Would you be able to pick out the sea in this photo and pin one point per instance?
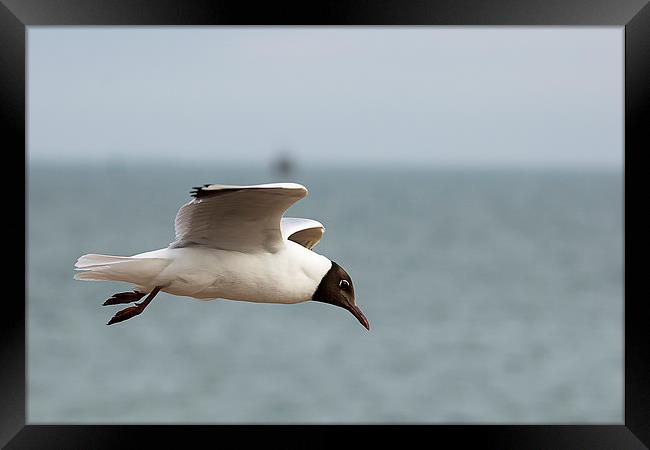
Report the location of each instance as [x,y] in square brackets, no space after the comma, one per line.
[494,296]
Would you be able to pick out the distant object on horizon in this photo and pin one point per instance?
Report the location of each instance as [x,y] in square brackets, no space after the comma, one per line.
[284,165]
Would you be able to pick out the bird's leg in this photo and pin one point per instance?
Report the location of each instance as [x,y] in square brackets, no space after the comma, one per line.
[134,310]
[124,297]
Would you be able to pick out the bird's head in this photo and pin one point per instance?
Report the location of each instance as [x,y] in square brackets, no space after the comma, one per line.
[336,289]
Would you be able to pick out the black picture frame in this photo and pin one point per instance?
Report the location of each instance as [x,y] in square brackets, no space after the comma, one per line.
[17,15]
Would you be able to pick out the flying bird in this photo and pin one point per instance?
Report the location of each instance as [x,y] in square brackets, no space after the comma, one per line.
[232,242]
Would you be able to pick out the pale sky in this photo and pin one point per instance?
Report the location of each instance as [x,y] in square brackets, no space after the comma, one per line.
[425,96]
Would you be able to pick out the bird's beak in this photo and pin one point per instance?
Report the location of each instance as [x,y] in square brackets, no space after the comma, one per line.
[359,315]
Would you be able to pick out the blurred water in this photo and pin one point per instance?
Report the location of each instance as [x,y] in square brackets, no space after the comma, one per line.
[494,297]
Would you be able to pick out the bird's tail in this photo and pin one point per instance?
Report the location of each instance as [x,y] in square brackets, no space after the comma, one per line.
[131,269]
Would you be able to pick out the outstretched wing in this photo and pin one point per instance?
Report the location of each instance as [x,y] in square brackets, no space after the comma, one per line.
[241,218]
[306,232]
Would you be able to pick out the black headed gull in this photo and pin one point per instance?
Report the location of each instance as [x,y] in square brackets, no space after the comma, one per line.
[232,243]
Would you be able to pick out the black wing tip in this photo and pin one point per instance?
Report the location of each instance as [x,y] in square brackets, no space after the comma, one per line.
[199,191]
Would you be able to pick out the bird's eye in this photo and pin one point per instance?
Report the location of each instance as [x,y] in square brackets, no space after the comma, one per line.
[344,284]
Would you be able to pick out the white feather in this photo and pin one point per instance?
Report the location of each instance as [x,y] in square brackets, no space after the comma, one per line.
[240,218]
[306,232]
[139,271]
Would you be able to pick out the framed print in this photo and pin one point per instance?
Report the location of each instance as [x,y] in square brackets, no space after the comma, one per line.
[471,162]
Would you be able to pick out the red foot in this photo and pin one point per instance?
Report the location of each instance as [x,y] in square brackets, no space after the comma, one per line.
[126,314]
[124,297]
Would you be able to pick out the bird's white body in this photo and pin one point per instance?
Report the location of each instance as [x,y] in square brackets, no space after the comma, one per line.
[231,242]
[290,275]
